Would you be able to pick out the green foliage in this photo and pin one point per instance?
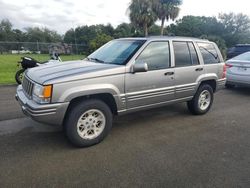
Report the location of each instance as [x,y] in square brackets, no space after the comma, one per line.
[195,26]
[142,14]
[100,40]
[124,30]
[42,35]
[236,28]
[8,64]
[229,28]
[166,10]
[85,35]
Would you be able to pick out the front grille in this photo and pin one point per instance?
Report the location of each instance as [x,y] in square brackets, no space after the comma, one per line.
[27,86]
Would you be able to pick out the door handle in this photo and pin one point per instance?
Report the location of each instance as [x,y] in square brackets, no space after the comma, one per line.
[168,73]
[199,69]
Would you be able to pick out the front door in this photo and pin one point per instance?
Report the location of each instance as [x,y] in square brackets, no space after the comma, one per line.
[155,86]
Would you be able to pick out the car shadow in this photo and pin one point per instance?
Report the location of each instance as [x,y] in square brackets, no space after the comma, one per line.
[240,90]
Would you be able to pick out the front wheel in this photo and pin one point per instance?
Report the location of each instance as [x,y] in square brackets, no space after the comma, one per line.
[202,101]
[19,76]
[88,122]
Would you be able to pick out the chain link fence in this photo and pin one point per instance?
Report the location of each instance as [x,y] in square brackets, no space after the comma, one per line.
[41,48]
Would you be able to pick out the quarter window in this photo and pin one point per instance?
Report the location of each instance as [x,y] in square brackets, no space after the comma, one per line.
[209,53]
[156,55]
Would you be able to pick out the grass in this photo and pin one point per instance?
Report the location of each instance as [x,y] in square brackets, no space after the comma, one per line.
[8,64]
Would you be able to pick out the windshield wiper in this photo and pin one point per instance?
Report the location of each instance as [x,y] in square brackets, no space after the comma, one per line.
[95,59]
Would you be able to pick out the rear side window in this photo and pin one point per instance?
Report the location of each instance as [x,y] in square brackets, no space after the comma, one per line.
[185,54]
[209,53]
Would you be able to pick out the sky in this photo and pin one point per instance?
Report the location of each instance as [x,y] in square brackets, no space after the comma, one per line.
[61,15]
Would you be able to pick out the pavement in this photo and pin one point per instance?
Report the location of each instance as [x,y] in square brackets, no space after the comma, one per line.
[164,147]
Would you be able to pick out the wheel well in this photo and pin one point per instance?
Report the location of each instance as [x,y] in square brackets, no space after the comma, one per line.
[212,83]
[105,97]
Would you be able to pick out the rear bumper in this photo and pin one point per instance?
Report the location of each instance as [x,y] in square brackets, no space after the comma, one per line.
[221,84]
[52,114]
[238,79]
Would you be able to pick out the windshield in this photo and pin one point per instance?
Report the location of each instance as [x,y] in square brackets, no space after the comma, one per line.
[116,52]
[243,57]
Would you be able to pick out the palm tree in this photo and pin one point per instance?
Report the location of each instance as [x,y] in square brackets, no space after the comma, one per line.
[166,10]
[141,14]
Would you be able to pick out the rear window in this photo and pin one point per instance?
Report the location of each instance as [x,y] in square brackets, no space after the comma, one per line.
[209,53]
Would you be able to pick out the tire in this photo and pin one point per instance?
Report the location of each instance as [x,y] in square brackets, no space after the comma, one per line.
[19,76]
[88,123]
[195,106]
[229,86]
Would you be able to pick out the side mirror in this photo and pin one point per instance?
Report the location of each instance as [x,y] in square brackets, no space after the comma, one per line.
[140,67]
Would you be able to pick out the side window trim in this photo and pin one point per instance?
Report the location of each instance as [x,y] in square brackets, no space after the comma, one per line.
[169,50]
[196,53]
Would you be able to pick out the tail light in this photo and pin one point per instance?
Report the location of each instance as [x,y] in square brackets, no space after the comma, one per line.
[229,65]
[224,70]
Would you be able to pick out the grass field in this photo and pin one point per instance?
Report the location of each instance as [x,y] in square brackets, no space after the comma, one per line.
[8,65]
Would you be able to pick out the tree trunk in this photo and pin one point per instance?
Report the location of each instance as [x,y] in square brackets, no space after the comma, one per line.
[146,30]
[162,26]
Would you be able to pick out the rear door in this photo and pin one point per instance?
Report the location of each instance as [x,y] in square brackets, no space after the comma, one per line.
[187,68]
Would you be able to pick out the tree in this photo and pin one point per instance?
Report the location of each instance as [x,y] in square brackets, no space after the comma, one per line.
[141,14]
[195,26]
[100,40]
[6,31]
[124,30]
[236,28]
[167,10]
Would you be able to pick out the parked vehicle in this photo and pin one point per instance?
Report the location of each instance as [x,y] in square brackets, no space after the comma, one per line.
[28,62]
[238,71]
[123,76]
[237,50]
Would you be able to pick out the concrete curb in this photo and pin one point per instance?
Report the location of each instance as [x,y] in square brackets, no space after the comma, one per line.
[8,85]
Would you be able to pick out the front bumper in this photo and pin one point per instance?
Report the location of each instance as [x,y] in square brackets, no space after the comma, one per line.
[52,114]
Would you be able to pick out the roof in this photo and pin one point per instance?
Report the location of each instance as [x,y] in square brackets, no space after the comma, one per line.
[164,37]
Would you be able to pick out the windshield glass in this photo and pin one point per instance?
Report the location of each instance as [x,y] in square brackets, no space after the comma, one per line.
[243,57]
[116,52]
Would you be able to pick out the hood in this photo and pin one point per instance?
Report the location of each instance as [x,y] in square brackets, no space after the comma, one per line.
[72,70]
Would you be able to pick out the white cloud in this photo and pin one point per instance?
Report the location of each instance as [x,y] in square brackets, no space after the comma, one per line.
[61,15]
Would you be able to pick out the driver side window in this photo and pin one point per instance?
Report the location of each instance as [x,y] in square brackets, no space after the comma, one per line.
[156,55]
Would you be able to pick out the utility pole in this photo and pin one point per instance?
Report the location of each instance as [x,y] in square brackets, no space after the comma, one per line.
[75,38]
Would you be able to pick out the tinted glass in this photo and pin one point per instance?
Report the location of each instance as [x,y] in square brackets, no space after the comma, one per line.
[182,55]
[156,55]
[116,52]
[209,53]
[193,53]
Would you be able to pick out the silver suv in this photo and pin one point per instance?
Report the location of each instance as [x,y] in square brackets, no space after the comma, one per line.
[123,76]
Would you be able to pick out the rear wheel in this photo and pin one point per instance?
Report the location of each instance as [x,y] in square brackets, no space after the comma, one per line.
[88,123]
[202,101]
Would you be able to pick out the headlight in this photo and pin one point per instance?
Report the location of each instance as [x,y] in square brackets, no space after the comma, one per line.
[42,94]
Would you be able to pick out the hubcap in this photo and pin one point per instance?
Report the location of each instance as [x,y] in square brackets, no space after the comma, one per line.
[91,124]
[204,100]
